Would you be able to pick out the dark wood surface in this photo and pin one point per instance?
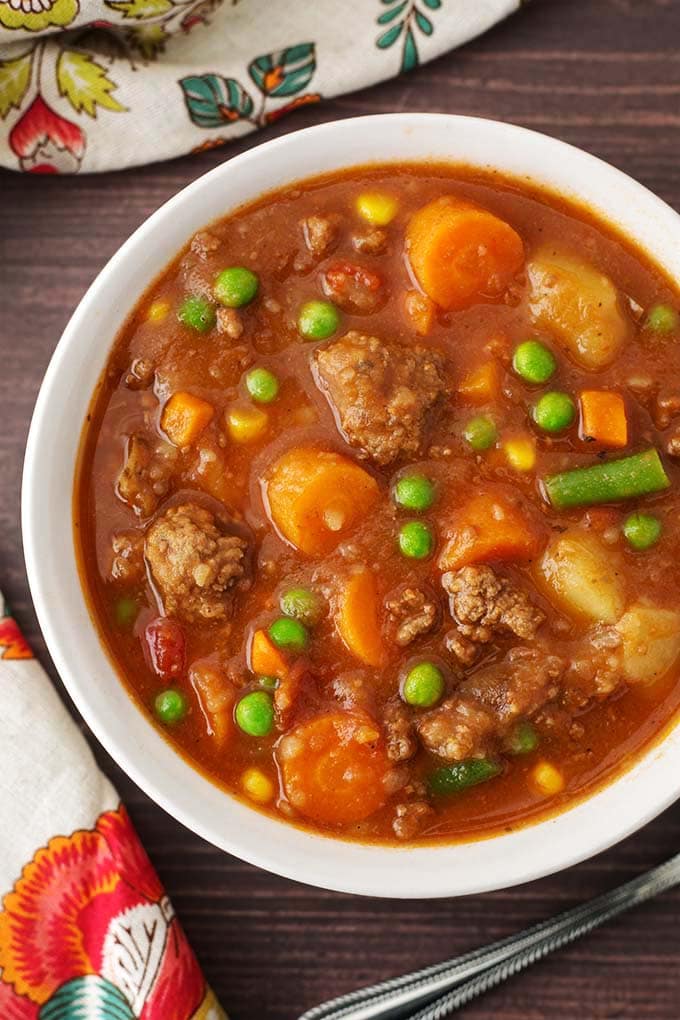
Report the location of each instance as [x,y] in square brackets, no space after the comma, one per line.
[603,74]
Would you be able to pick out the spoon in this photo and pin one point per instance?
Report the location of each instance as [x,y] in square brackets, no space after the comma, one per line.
[437,991]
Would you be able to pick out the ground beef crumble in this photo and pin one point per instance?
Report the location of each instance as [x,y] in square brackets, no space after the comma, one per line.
[194,563]
[413,611]
[382,394]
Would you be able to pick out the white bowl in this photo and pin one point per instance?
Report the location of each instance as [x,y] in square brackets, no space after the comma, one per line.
[504,860]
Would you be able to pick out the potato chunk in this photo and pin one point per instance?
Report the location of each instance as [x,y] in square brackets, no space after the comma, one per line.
[580,576]
[651,642]
[579,306]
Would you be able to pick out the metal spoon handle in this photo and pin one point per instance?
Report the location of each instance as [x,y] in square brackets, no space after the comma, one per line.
[480,969]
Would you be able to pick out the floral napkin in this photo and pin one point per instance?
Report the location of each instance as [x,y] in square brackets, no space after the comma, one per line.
[86,929]
[89,85]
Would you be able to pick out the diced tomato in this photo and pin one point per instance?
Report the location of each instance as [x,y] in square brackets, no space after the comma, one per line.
[165,647]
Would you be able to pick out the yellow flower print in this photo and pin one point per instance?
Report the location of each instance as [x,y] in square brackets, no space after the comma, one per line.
[36,15]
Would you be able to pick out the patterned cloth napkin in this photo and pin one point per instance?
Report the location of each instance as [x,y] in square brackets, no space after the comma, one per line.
[89,85]
[86,929]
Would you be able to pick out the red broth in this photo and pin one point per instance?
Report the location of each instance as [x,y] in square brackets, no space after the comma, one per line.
[444,669]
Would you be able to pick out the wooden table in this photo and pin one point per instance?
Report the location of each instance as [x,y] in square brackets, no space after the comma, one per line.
[603,74]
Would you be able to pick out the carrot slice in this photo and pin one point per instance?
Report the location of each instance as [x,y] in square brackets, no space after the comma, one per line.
[461,253]
[314,497]
[357,618]
[482,385]
[265,657]
[603,417]
[491,526]
[184,417]
[333,767]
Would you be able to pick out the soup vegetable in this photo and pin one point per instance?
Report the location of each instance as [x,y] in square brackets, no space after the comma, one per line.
[378,503]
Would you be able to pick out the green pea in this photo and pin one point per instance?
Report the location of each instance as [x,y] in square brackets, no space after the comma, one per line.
[170,706]
[423,685]
[523,738]
[287,632]
[236,286]
[642,531]
[317,320]
[481,433]
[262,385]
[125,611]
[414,492]
[554,411]
[534,362]
[198,314]
[415,540]
[662,319]
[302,604]
[255,713]
[270,683]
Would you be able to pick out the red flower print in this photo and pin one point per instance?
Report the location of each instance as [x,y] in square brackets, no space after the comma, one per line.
[45,142]
[274,115]
[13,644]
[89,908]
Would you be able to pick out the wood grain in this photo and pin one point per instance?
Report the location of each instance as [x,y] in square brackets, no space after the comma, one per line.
[603,74]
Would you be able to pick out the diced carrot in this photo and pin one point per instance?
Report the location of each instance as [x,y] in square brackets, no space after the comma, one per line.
[315,497]
[184,417]
[603,417]
[357,617]
[333,767]
[265,657]
[482,385]
[420,310]
[491,526]
[461,253]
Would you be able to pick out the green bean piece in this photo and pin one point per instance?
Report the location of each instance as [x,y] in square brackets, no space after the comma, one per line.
[462,775]
[522,739]
[609,482]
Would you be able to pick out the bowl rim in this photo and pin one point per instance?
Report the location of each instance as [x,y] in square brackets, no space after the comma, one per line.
[298,854]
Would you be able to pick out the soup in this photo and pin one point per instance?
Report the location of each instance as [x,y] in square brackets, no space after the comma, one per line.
[377,503]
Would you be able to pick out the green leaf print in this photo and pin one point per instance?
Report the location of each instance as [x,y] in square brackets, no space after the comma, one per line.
[284,73]
[411,19]
[213,101]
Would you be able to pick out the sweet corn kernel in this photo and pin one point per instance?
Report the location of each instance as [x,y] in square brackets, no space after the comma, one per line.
[246,423]
[547,779]
[376,207]
[158,311]
[520,453]
[258,786]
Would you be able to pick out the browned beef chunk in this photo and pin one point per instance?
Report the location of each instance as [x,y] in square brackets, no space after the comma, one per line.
[484,604]
[320,233]
[413,611]
[354,288]
[411,818]
[204,244]
[372,241]
[382,394]
[399,731]
[145,478]
[230,323]
[487,703]
[195,565]
[127,564]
